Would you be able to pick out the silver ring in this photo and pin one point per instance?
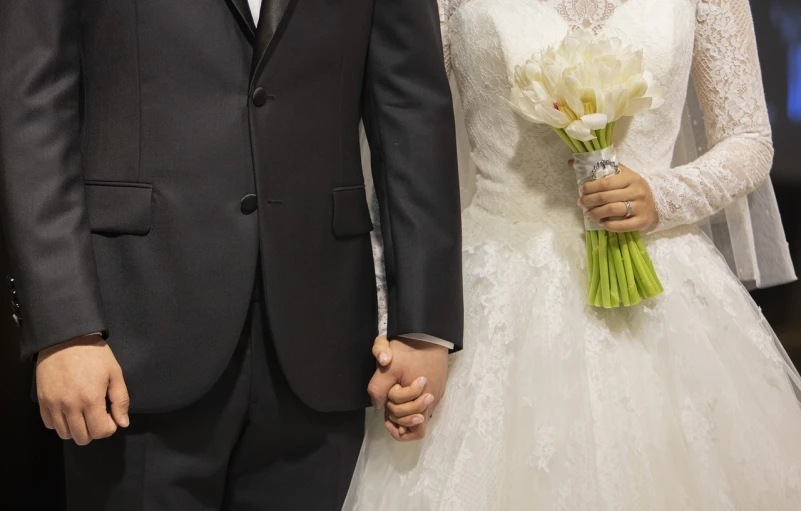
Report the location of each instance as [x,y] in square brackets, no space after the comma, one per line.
[628,209]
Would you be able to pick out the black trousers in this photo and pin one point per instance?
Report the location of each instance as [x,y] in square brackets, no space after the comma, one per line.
[248,444]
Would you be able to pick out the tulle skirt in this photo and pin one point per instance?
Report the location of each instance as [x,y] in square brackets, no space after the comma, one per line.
[686,402]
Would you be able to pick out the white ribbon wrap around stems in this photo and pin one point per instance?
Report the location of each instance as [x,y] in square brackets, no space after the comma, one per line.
[595,165]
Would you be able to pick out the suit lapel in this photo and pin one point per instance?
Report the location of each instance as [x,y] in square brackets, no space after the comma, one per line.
[272,12]
[241,10]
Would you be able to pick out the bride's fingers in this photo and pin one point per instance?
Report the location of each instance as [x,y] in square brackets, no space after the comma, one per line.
[606,184]
[399,394]
[414,434]
[381,351]
[593,200]
[393,430]
[407,422]
[635,223]
[412,407]
[616,209]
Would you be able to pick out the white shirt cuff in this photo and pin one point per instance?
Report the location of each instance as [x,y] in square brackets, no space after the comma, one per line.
[428,338]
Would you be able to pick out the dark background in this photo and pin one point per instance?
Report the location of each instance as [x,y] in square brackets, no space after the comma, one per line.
[30,456]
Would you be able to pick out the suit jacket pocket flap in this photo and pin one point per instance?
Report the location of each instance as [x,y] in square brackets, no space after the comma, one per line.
[351,214]
[119,208]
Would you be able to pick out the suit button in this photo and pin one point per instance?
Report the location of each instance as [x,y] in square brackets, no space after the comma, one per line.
[259,97]
[248,204]
[14,307]
[10,283]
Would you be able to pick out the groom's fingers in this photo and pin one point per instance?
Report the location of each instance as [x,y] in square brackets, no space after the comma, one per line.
[399,394]
[381,351]
[379,386]
[412,407]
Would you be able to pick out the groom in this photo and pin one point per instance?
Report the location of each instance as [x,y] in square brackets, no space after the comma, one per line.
[182,193]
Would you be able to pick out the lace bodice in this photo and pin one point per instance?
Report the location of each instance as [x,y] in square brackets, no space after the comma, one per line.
[521,167]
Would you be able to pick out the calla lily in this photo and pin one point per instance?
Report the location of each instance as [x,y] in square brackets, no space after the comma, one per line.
[615,103]
[579,131]
[595,121]
[638,106]
[584,84]
[655,91]
[551,116]
[637,87]
[537,112]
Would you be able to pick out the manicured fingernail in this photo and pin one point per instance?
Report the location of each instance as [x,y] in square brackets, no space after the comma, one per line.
[586,214]
[382,358]
[421,382]
[417,420]
[429,399]
[125,421]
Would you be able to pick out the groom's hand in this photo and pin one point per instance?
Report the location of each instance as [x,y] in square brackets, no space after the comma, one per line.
[72,382]
[410,367]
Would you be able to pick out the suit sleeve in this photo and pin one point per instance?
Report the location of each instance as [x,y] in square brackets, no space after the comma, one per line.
[42,201]
[408,117]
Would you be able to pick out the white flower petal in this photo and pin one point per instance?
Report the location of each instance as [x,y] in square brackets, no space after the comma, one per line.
[579,131]
[637,106]
[551,116]
[595,121]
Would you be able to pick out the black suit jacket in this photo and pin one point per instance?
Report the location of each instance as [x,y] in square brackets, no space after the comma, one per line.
[152,151]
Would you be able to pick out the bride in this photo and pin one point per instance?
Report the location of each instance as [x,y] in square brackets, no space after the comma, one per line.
[685,402]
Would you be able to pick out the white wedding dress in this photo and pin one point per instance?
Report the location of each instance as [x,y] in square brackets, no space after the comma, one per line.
[684,403]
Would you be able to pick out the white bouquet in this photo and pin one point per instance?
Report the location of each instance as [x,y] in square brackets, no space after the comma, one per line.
[581,88]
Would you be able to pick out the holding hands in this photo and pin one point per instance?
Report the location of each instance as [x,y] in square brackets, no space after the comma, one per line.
[605,202]
[409,383]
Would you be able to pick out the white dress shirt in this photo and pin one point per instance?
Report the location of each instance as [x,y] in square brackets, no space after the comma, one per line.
[255,9]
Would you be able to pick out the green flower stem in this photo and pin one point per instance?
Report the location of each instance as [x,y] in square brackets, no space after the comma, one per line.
[606,299]
[588,146]
[631,283]
[567,140]
[620,270]
[613,284]
[601,134]
[595,144]
[596,270]
[610,133]
[641,269]
[647,258]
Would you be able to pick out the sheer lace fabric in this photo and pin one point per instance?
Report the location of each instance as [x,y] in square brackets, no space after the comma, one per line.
[684,403]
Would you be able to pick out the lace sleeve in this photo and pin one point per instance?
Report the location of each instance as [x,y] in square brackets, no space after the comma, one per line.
[378,259]
[728,81]
[446,10]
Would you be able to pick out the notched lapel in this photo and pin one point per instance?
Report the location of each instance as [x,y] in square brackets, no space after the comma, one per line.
[272,12]
[241,9]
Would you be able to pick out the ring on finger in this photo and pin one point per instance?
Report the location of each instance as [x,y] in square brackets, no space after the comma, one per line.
[628,209]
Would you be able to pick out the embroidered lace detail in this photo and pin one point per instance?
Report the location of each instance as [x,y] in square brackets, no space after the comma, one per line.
[728,80]
[585,14]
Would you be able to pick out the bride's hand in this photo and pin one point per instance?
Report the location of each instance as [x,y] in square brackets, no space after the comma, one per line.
[605,202]
[405,406]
